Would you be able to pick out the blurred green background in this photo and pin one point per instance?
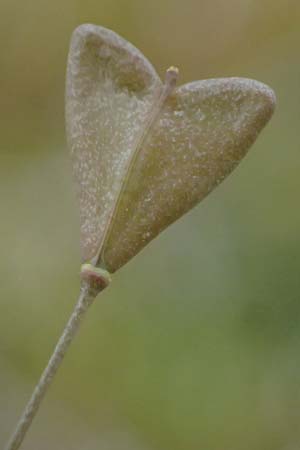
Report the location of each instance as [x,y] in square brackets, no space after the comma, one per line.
[196,343]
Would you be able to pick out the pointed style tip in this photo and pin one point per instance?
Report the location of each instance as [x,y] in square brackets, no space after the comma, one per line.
[171,76]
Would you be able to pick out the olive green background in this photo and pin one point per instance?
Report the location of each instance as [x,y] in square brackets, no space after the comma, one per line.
[196,344]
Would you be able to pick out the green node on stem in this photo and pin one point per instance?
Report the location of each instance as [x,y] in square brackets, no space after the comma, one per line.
[95,278]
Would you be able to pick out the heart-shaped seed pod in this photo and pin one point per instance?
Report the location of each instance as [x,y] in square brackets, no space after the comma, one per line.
[143,151]
[143,154]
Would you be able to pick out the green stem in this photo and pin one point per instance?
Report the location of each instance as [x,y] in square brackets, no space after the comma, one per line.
[86,298]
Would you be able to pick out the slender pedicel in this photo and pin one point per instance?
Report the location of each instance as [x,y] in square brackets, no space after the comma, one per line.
[93,281]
